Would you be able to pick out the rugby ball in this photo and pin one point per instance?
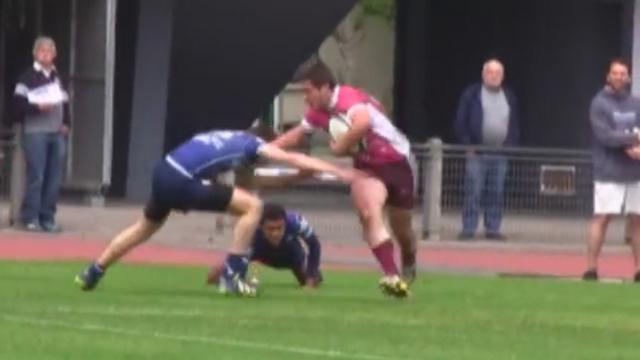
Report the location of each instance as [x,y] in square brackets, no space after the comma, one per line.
[337,128]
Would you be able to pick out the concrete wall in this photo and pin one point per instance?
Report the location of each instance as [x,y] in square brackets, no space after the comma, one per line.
[364,58]
[635,55]
[149,112]
[370,56]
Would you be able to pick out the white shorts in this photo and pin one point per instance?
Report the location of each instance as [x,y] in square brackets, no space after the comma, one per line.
[611,198]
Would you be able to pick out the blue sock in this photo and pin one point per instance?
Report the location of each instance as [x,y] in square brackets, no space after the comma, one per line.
[95,270]
[236,264]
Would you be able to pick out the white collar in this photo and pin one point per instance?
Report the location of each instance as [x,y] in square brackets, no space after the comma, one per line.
[40,68]
[334,97]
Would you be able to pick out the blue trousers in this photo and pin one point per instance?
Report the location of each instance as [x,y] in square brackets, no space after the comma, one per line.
[44,154]
[484,175]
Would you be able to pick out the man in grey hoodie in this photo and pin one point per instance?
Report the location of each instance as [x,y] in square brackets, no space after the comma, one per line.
[615,122]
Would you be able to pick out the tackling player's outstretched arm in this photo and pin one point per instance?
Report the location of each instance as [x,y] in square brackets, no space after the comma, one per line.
[304,162]
[360,124]
[265,182]
[292,138]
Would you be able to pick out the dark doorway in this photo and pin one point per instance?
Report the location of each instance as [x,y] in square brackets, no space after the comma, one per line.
[20,24]
[230,58]
[555,53]
[126,41]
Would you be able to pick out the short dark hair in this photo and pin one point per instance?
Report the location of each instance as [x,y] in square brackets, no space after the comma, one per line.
[619,61]
[262,130]
[317,73]
[273,212]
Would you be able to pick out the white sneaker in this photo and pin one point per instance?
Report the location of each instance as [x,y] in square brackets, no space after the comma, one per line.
[236,286]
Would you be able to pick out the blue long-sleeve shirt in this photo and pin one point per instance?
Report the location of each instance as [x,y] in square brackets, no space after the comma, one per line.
[214,152]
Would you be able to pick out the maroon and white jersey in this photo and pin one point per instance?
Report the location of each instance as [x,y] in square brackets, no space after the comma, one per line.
[383,142]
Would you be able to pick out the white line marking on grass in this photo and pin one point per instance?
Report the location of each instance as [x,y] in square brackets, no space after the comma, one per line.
[147,311]
[193,339]
[127,311]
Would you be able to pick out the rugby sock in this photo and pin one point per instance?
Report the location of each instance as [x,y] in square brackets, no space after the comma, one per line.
[238,264]
[384,255]
[95,270]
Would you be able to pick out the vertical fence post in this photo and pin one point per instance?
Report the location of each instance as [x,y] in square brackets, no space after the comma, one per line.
[432,190]
[18,174]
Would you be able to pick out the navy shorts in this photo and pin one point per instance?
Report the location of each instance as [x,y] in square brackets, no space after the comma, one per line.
[171,190]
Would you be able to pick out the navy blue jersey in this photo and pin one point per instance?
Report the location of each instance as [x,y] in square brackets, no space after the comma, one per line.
[214,152]
[290,251]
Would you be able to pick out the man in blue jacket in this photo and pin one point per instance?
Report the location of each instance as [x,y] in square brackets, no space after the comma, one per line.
[487,115]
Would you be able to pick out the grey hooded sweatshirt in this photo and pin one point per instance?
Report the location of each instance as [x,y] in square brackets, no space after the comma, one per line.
[615,123]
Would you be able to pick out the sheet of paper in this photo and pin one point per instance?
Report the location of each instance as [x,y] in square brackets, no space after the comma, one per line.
[48,94]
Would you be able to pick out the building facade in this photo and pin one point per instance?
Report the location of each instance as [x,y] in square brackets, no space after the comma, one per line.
[145,74]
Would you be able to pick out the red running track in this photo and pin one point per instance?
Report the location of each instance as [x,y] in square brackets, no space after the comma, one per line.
[488,259]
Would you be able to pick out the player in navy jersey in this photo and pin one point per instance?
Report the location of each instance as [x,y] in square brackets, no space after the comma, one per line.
[185,179]
[284,240]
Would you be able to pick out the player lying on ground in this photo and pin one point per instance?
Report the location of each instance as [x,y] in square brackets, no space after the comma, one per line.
[284,240]
[386,159]
[178,183]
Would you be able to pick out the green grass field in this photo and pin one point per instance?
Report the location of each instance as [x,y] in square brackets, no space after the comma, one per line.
[152,312]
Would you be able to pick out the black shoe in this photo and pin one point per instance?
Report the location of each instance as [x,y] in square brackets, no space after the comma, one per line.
[636,278]
[590,275]
[465,236]
[495,236]
[89,278]
[409,268]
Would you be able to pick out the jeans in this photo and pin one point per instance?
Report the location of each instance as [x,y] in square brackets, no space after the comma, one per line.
[484,175]
[44,154]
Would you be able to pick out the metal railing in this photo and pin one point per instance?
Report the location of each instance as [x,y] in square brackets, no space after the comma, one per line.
[548,194]
[11,183]
[542,187]
[6,159]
